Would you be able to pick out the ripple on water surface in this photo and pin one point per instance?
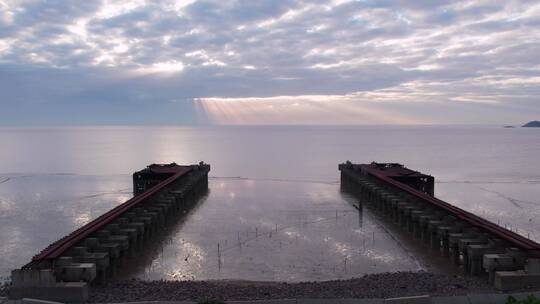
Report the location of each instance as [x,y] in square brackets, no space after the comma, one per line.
[274,230]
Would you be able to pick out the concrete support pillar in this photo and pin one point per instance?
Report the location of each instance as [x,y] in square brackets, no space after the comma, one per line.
[445,246]
[476,256]
[101,261]
[120,243]
[445,231]
[417,227]
[401,213]
[32,277]
[394,209]
[429,216]
[435,241]
[464,244]
[454,254]
[407,217]
[381,198]
[410,220]
[76,272]
[455,245]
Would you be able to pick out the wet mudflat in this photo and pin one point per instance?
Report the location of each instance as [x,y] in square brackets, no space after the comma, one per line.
[268,230]
[54,180]
[38,209]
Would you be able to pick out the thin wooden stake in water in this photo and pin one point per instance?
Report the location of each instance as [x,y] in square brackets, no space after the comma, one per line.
[219,256]
[360,214]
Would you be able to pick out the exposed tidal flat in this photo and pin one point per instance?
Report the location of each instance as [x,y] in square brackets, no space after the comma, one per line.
[274,205]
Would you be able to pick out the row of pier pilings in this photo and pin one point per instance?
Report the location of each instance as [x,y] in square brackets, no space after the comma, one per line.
[477,252]
[99,257]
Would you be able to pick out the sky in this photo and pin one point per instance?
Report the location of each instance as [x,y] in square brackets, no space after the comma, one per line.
[148,62]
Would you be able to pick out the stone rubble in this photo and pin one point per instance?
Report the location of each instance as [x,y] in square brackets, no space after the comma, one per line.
[381,285]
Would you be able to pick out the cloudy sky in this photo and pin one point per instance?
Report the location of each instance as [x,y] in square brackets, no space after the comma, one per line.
[269,62]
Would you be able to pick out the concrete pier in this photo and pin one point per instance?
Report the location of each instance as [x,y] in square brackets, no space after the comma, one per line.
[479,247]
[94,253]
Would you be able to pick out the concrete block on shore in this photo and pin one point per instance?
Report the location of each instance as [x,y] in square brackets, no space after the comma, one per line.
[515,280]
[77,272]
[63,292]
[532,266]
[425,299]
[496,261]
[33,277]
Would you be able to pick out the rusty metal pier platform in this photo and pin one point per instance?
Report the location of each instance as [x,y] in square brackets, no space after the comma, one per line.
[95,252]
[508,260]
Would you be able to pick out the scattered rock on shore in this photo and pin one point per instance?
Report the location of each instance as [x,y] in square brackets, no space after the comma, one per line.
[382,285]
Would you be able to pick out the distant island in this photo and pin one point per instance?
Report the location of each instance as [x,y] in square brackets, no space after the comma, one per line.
[532,124]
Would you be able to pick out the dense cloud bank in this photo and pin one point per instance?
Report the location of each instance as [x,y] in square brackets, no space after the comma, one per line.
[92,62]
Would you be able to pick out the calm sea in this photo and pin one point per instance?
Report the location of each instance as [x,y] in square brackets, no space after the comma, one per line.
[274,205]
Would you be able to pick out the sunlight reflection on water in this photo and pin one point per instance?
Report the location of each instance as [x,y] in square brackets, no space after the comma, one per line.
[288,236]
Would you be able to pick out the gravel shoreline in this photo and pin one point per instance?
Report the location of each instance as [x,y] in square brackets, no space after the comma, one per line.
[381,285]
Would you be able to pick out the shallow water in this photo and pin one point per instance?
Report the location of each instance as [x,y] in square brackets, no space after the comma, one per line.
[275,230]
[55,179]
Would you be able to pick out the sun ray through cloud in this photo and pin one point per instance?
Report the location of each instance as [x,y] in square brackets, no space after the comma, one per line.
[462,58]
